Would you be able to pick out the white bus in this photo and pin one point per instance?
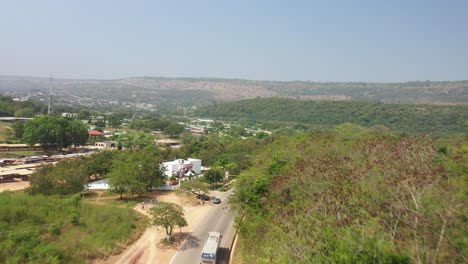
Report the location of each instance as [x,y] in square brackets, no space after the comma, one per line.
[208,254]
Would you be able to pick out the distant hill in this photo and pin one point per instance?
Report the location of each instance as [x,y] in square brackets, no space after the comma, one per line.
[298,113]
[202,91]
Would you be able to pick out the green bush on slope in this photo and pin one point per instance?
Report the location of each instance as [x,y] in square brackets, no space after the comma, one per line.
[364,199]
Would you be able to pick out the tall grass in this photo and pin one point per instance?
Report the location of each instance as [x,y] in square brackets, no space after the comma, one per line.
[41,229]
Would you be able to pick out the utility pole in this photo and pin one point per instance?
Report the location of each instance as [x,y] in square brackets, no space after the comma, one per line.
[50,104]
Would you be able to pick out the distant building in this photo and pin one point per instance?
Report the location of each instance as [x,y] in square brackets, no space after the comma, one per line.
[70,115]
[14,119]
[95,133]
[106,145]
[168,142]
[180,167]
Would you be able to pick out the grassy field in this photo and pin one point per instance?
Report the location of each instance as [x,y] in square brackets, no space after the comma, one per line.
[40,229]
[6,132]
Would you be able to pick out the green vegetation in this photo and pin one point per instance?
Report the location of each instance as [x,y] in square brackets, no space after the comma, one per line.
[168,216]
[195,186]
[41,229]
[131,171]
[279,112]
[55,132]
[213,175]
[8,107]
[169,127]
[65,178]
[355,196]
[136,172]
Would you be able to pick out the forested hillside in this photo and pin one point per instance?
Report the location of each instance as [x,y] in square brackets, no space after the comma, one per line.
[351,196]
[396,117]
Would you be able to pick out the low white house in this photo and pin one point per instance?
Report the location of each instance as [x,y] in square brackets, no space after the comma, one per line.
[98,185]
[181,167]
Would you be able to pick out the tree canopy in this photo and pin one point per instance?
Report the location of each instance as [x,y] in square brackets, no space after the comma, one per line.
[280,112]
[54,132]
[168,216]
[135,172]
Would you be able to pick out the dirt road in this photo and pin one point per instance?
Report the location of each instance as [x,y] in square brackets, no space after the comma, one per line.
[148,248]
[13,186]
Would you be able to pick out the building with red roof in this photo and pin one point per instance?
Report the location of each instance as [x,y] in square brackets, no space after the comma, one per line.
[95,133]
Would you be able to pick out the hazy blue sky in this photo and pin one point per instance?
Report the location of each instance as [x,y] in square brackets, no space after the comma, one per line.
[265,40]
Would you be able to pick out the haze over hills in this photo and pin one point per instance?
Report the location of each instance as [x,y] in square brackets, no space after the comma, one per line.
[158,91]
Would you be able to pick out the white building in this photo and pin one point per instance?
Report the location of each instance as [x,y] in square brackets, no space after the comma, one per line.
[180,166]
[70,115]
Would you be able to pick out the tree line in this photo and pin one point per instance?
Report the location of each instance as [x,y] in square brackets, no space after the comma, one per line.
[9,107]
[52,132]
[279,112]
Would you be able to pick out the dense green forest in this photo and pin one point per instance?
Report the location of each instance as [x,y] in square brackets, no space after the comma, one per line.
[353,196]
[45,229]
[278,112]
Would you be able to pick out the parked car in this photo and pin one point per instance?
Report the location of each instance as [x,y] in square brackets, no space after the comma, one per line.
[216,200]
[203,197]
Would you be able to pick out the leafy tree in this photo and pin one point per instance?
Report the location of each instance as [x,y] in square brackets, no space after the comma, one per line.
[77,133]
[100,164]
[233,168]
[121,176]
[168,216]
[149,171]
[213,175]
[174,129]
[64,178]
[51,131]
[45,130]
[136,171]
[137,140]
[196,186]
[18,128]
[25,112]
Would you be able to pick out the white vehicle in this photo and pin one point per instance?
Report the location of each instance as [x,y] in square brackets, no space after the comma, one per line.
[208,254]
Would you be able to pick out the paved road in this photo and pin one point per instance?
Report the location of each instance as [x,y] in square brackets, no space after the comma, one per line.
[218,219]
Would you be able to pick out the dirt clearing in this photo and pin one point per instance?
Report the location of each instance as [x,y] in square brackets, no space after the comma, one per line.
[148,249]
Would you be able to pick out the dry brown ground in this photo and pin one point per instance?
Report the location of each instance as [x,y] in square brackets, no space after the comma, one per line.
[148,248]
[14,186]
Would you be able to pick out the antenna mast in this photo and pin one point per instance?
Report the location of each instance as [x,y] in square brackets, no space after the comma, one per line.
[50,104]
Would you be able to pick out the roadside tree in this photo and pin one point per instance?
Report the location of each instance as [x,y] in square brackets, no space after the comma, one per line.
[196,186]
[121,176]
[168,216]
[149,171]
[213,175]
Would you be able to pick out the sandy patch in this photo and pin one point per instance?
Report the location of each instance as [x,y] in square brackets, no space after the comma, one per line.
[148,249]
[14,186]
